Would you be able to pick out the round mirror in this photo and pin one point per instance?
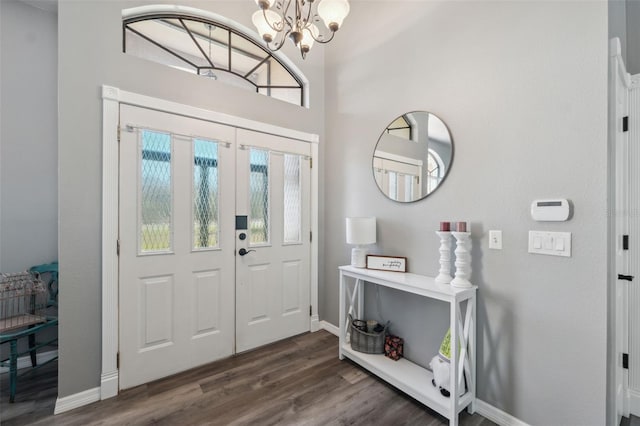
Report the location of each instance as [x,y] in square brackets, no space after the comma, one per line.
[413,156]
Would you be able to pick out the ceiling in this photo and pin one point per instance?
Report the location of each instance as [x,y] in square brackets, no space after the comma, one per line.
[48,5]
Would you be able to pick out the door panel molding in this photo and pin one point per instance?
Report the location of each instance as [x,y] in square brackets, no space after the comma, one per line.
[113,97]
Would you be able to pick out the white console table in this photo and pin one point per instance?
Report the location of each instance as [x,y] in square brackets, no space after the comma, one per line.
[411,378]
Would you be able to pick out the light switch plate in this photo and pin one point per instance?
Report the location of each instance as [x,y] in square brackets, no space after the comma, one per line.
[550,243]
[495,240]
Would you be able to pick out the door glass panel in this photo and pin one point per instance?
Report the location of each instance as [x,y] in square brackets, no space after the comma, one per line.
[205,194]
[156,193]
[292,199]
[259,196]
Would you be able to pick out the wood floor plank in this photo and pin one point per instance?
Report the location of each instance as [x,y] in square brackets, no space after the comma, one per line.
[297,381]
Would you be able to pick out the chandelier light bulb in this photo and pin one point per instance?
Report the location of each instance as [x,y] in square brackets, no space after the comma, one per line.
[308,35]
[264,29]
[333,13]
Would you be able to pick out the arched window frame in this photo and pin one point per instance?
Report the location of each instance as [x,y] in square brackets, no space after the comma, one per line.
[434,175]
[142,13]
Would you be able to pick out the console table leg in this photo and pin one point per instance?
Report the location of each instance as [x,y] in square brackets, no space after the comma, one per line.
[13,369]
[342,326]
[472,352]
[454,389]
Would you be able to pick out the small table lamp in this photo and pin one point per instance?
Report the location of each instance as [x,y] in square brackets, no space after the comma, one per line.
[360,231]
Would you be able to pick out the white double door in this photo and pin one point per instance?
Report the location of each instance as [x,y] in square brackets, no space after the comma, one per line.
[214,237]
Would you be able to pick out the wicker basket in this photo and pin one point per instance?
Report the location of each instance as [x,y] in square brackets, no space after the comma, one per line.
[23,300]
[362,341]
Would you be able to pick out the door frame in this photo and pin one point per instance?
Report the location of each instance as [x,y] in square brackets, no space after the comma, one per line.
[112,97]
[618,315]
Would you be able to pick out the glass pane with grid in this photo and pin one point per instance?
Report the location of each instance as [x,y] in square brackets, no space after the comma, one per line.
[209,49]
[213,39]
[156,193]
[205,195]
[245,55]
[272,73]
[258,197]
[292,199]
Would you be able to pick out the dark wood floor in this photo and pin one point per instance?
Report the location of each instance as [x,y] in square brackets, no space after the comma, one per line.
[298,381]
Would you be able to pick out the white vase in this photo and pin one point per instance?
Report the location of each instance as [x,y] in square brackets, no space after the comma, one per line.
[463,260]
[444,276]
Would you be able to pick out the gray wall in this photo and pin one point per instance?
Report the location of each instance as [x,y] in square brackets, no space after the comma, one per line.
[624,19]
[633,36]
[28,136]
[89,56]
[523,89]
[618,23]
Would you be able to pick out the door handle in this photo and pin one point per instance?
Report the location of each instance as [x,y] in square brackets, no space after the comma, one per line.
[625,277]
[243,251]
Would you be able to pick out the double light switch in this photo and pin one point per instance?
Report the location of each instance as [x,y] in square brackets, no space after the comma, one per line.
[550,243]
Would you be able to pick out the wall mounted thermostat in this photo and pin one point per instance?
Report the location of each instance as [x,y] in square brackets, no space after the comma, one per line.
[550,210]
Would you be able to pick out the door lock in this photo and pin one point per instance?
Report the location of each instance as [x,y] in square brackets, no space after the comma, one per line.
[242,236]
[243,251]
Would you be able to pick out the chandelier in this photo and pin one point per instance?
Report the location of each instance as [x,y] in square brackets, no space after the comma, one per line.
[279,19]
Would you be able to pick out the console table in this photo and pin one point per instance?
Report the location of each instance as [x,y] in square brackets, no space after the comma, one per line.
[411,378]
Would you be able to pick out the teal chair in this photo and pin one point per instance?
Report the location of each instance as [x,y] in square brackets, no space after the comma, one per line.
[33,317]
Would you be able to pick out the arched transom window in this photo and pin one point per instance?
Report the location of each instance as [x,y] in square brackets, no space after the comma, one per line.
[213,49]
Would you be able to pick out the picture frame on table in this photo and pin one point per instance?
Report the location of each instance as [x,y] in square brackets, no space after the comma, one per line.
[387,263]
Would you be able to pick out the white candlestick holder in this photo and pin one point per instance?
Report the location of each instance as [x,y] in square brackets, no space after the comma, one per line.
[444,276]
[463,260]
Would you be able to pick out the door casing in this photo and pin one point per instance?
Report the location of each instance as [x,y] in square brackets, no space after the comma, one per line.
[112,97]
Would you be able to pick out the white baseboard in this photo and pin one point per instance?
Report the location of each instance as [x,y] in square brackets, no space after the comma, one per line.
[330,328]
[109,384]
[496,415]
[315,324]
[77,400]
[25,361]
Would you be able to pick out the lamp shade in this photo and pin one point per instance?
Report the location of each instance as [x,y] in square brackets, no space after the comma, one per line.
[333,12]
[361,230]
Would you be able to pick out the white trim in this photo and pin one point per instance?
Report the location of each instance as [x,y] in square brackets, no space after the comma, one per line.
[330,328]
[615,51]
[399,158]
[618,259]
[112,97]
[315,318]
[25,361]
[76,400]
[186,11]
[496,415]
[110,123]
[170,107]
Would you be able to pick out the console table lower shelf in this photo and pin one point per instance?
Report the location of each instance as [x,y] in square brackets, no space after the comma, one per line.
[405,375]
[410,378]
